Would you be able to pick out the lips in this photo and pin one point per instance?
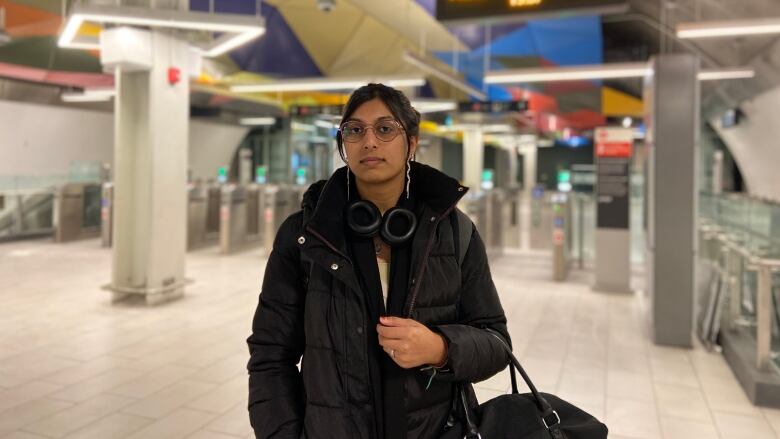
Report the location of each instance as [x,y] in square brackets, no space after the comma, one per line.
[372,160]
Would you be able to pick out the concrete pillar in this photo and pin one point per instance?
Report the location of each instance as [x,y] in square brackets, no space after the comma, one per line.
[473,152]
[672,104]
[150,150]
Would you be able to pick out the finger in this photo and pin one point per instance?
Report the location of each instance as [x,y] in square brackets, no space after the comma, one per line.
[397,321]
[392,331]
[396,345]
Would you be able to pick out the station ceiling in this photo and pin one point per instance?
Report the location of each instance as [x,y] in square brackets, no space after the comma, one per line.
[361,37]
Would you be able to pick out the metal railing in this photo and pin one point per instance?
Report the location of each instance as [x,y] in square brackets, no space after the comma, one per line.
[750,286]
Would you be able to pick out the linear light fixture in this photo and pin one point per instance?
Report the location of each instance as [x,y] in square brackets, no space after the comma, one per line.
[326,84]
[237,29]
[718,29]
[729,73]
[447,77]
[257,121]
[570,73]
[603,71]
[433,105]
[324,124]
[89,95]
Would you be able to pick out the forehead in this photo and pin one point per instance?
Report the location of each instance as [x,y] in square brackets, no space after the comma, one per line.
[371,111]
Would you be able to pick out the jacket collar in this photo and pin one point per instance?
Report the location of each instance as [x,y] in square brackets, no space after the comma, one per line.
[324,202]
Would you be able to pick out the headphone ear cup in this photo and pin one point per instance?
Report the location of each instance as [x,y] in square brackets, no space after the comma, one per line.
[363,218]
[398,226]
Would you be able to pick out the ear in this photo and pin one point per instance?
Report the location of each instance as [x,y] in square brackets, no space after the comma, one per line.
[413,141]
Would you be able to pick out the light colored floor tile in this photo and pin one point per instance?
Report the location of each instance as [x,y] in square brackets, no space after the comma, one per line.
[96,385]
[223,370]
[673,369]
[773,417]
[583,386]
[632,419]
[152,382]
[23,435]
[676,428]
[83,371]
[23,368]
[500,382]
[728,396]
[223,397]
[78,416]
[682,402]
[235,422]
[734,426]
[186,373]
[23,393]
[179,424]
[169,399]
[206,434]
[21,415]
[117,425]
[629,385]
[545,374]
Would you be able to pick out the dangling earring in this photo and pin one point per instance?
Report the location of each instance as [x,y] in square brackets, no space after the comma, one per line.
[408,176]
[347,182]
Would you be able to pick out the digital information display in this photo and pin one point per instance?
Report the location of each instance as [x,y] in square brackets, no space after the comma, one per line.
[518,10]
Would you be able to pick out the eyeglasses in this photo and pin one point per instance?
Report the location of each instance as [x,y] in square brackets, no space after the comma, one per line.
[385,130]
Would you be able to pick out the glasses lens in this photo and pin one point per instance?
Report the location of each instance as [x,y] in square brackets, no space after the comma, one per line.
[386,131]
[353,131]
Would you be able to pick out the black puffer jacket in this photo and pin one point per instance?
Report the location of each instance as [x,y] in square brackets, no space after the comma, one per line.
[311,305]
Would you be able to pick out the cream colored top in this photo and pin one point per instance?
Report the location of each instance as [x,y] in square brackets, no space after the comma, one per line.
[384,277]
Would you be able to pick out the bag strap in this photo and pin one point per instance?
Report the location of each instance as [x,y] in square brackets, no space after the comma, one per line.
[541,403]
[465,229]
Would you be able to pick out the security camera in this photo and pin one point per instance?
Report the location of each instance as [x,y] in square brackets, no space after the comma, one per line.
[326,5]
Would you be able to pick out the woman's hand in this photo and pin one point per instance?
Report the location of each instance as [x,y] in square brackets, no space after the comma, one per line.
[410,343]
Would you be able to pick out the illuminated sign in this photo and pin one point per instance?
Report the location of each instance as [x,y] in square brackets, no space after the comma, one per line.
[492,106]
[518,10]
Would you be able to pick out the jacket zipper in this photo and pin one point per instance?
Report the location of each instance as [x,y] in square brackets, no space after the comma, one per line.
[326,242]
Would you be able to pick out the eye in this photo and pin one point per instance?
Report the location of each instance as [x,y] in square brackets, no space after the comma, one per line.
[353,129]
[385,128]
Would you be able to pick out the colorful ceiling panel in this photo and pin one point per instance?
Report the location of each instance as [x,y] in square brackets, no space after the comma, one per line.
[353,40]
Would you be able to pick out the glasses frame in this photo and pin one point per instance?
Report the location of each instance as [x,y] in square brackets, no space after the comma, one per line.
[366,126]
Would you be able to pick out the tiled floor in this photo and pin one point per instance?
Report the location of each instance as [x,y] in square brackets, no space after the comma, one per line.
[74,366]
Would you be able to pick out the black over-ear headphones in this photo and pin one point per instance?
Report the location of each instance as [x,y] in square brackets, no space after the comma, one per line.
[396,227]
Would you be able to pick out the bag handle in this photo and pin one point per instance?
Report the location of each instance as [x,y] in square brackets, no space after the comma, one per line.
[460,401]
[541,403]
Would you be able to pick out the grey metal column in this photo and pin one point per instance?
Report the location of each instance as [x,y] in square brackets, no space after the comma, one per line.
[672,117]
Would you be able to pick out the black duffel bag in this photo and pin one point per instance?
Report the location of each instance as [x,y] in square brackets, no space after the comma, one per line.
[519,415]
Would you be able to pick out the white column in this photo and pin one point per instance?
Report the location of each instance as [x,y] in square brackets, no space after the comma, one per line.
[150,150]
[473,151]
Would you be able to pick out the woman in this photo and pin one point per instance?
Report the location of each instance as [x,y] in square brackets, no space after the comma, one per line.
[386,321]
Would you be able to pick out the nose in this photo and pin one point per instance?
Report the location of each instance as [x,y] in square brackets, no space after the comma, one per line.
[369,138]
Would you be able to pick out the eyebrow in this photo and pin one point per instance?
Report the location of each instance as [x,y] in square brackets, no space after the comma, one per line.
[355,119]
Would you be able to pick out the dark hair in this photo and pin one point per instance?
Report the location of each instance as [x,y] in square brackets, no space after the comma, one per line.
[396,102]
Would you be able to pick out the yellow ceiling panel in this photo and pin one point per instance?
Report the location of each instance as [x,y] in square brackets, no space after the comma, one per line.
[616,103]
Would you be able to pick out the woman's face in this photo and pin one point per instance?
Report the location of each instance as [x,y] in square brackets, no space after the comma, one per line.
[375,143]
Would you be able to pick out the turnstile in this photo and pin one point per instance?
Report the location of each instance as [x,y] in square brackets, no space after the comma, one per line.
[232,219]
[561,235]
[486,210]
[107,215]
[510,218]
[197,210]
[77,211]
